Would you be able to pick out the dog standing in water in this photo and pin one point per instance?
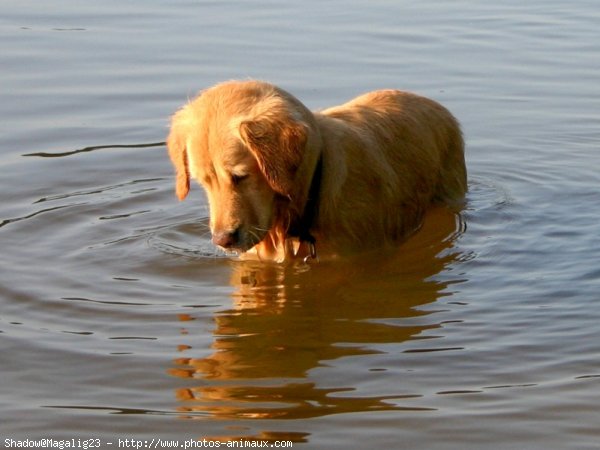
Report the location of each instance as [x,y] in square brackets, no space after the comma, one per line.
[284,182]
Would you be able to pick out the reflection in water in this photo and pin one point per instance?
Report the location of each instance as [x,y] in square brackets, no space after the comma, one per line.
[288,320]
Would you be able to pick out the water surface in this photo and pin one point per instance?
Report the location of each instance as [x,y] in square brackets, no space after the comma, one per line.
[117,319]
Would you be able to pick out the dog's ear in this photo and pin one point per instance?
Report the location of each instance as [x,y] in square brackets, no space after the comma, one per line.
[278,146]
[176,143]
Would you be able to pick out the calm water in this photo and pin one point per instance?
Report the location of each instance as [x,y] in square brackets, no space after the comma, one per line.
[117,320]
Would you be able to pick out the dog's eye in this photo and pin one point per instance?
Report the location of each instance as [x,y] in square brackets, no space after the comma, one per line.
[237,179]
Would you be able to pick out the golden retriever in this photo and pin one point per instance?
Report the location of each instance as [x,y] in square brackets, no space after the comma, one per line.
[283,181]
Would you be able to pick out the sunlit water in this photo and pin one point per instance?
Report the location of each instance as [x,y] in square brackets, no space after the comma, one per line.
[119,320]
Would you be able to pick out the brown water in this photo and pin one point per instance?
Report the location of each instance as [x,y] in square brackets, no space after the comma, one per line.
[119,320]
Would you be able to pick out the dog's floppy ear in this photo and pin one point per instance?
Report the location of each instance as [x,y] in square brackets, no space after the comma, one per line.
[176,143]
[278,145]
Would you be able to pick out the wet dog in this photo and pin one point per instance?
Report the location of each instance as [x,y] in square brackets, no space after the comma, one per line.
[283,181]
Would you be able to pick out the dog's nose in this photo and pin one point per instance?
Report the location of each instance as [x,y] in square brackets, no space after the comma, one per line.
[226,239]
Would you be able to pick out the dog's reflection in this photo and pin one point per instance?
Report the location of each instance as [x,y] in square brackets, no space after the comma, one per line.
[288,324]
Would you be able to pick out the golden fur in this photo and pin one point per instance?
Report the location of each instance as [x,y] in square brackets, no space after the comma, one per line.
[386,157]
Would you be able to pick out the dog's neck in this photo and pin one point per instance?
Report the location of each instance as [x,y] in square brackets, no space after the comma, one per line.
[300,228]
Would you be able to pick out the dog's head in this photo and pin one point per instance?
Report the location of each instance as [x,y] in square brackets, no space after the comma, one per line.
[252,146]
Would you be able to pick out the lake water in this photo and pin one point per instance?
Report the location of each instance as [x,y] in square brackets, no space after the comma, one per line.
[118,321]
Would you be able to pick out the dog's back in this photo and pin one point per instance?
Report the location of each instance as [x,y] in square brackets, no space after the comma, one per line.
[411,131]
[402,152]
